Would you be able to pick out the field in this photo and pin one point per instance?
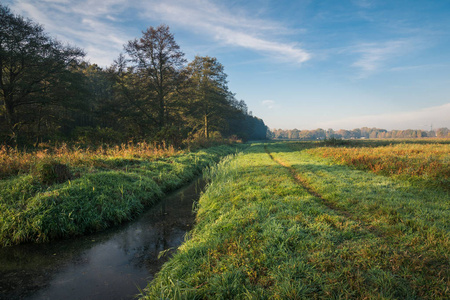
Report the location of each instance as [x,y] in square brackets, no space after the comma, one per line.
[61,192]
[310,221]
[428,164]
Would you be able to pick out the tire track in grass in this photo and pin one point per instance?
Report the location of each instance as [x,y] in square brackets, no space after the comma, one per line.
[359,254]
[303,183]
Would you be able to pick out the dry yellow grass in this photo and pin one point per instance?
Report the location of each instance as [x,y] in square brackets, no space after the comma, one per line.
[424,162]
[14,161]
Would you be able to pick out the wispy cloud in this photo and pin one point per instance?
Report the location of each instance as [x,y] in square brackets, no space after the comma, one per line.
[283,52]
[86,24]
[98,26]
[438,116]
[270,104]
[419,67]
[374,55]
[363,3]
[230,28]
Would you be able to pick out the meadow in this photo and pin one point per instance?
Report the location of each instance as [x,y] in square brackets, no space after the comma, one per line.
[291,221]
[64,191]
[428,164]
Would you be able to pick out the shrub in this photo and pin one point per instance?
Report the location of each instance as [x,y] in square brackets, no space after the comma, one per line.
[51,172]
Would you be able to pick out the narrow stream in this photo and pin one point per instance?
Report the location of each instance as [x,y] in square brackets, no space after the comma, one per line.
[113,264]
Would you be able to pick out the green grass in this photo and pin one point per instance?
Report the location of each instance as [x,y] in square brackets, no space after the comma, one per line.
[114,191]
[300,227]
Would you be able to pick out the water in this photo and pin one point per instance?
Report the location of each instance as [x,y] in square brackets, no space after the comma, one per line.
[113,264]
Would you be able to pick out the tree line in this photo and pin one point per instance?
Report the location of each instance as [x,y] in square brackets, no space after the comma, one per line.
[151,92]
[358,133]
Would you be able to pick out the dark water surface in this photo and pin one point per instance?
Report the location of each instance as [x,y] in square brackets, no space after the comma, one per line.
[110,265]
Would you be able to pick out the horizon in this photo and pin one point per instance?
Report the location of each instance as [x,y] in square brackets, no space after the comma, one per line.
[298,64]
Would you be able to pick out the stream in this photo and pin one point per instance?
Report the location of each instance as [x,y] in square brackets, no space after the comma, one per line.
[113,264]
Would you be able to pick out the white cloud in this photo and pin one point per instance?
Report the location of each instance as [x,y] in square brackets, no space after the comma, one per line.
[32,12]
[363,3]
[284,52]
[229,28]
[438,116]
[57,1]
[87,24]
[418,67]
[270,104]
[93,24]
[374,55]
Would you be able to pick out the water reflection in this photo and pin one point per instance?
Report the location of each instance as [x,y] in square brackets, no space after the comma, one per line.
[109,265]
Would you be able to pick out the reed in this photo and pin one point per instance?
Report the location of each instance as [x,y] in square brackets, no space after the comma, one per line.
[15,162]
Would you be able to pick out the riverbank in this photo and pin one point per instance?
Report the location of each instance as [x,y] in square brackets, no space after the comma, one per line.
[113,264]
[279,223]
[114,191]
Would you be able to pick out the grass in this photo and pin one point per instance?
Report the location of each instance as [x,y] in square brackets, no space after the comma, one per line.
[111,186]
[18,162]
[277,222]
[428,164]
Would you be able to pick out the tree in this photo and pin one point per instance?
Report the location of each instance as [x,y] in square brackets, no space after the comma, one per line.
[131,105]
[210,99]
[34,70]
[157,62]
[330,133]
[443,132]
[356,133]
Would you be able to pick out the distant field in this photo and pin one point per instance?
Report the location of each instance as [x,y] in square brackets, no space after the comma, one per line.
[280,221]
[424,163]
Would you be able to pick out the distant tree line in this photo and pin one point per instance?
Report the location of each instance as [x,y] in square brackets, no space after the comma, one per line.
[365,132]
[151,92]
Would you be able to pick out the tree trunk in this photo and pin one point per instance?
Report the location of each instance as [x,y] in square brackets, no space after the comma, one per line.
[206,127]
[161,113]
[11,118]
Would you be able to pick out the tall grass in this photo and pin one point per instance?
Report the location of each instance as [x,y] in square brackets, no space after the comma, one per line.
[427,163]
[123,182]
[14,161]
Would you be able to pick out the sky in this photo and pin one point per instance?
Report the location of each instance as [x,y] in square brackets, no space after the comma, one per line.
[297,64]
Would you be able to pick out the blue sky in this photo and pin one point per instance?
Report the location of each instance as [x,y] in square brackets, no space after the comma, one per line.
[297,64]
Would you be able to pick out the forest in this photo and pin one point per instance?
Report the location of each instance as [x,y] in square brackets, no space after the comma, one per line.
[151,93]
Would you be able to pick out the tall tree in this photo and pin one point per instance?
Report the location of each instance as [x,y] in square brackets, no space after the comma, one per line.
[34,69]
[210,99]
[158,60]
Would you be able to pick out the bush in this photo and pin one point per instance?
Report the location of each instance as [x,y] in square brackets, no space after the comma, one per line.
[51,172]
[336,142]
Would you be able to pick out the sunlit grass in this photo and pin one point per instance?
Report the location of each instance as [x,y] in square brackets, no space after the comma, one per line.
[426,163]
[261,235]
[101,196]
[412,219]
[20,161]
